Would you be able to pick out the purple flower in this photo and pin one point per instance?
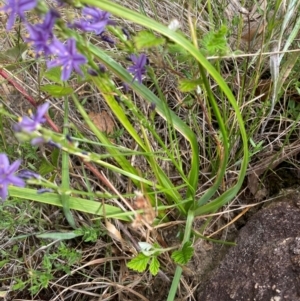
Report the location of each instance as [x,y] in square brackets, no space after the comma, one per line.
[152,106]
[96,20]
[37,141]
[60,2]
[107,39]
[92,72]
[67,57]
[54,144]
[27,174]
[7,176]
[125,87]
[126,33]
[16,8]
[40,35]
[30,124]
[138,68]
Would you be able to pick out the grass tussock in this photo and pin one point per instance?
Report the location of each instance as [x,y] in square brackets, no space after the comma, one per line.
[152,152]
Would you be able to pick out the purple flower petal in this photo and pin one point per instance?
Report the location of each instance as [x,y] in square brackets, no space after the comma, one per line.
[10,22]
[41,112]
[16,181]
[27,174]
[67,57]
[3,192]
[58,48]
[14,167]
[95,20]
[66,72]
[4,163]
[16,8]
[7,176]
[54,144]
[32,123]
[40,35]
[38,141]
[138,68]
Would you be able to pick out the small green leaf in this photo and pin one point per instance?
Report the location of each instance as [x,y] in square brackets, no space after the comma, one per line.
[14,54]
[58,235]
[3,263]
[181,54]
[54,74]
[154,266]
[89,234]
[146,39]
[139,263]
[57,90]
[19,284]
[215,43]
[187,85]
[184,255]
[46,167]
[55,157]
[46,263]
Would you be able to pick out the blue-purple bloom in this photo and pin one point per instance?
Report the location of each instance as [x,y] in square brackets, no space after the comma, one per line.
[37,141]
[54,144]
[126,33]
[33,122]
[95,20]
[67,57]
[107,39]
[44,190]
[40,35]
[7,176]
[16,8]
[27,174]
[138,68]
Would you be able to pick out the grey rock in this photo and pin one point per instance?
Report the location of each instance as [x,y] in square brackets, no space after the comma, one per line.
[265,263]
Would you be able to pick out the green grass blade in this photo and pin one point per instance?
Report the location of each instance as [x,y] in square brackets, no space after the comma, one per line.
[185,44]
[160,108]
[79,204]
[104,86]
[65,181]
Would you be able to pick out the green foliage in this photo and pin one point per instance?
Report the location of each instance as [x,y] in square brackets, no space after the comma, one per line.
[181,54]
[131,120]
[215,43]
[90,234]
[58,235]
[46,167]
[147,39]
[139,263]
[39,280]
[188,85]
[14,54]
[148,255]
[53,75]
[69,255]
[154,266]
[57,90]
[61,259]
[184,255]
[30,152]
[294,108]
[3,262]
[19,284]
